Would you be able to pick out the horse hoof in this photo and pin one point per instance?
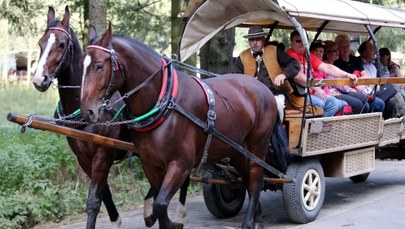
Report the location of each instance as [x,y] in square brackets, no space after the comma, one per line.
[178,225]
[150,221]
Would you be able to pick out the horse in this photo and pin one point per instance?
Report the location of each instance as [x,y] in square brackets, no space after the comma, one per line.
[166,109]
[60,59]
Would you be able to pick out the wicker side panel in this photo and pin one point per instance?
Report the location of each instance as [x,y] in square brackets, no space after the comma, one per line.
[359,162]
[391,131]
[340,133]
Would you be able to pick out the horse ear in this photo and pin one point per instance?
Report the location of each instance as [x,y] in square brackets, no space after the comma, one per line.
[107,36]
[92,34]
[66,18]
[51,15]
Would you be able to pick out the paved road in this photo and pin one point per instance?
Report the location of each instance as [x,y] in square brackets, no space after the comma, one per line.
[379,202]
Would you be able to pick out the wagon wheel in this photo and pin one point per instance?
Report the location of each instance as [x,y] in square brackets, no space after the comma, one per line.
[303,199]
[359,178]
[223,201]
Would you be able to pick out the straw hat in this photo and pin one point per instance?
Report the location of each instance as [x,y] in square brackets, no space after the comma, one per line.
[255,32]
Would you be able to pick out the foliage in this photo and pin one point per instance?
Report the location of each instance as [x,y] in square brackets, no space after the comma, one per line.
[145,20]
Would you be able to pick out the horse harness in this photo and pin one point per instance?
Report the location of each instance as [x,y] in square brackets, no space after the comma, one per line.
[167,102]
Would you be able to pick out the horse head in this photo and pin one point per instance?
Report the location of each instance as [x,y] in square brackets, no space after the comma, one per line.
[100,70]
[56,44]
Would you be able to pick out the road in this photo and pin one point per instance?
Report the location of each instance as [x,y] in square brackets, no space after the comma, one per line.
[379,202]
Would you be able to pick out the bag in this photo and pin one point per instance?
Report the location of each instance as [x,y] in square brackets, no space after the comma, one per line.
[386,92]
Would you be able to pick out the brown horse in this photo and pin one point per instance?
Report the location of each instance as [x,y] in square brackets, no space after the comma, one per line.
[60,59]
[167,108]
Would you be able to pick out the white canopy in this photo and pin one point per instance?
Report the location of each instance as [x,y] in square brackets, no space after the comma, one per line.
[212,16]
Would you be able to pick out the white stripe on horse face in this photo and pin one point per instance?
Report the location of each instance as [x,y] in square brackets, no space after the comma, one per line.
[86,63]
[38,75]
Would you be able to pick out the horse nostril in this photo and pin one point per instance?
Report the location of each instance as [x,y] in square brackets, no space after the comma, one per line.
[90,115]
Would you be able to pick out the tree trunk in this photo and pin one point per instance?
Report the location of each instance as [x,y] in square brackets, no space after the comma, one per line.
[176,25]
[98,15]
[216,55]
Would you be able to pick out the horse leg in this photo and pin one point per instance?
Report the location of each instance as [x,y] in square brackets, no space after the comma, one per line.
[111,209]
[181,207]
[150,219]
[175,177]
[255,186]
[148,216]
[98,185]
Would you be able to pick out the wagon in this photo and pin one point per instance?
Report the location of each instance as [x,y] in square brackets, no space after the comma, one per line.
[324,146]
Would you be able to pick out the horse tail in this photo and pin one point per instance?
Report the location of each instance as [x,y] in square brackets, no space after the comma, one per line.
[279,151]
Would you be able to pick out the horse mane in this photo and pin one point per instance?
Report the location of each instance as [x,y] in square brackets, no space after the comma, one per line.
[136,44]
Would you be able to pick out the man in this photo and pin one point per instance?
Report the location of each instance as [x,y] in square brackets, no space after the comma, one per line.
[367,57]
[269,64]
[328,103]
[350,63]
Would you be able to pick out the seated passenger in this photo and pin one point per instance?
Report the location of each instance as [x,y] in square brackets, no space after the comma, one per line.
[330,104]
[318,48]
[393,70]
[350,63]
[367,56]
[355,99]
[262,61]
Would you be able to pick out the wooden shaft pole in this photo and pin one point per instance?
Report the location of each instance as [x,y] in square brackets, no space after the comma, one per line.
[70,132]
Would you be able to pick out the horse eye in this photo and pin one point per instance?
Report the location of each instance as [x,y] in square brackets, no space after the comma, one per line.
[99,66]
[62,45]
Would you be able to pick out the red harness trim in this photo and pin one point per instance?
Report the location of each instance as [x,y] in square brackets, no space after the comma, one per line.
[161,95]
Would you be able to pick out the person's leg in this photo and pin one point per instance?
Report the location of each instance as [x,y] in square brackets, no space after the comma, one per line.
[316,101]
[390,111]
[280,99]
[355,103]
[363,98]
[378,104]
[332,105]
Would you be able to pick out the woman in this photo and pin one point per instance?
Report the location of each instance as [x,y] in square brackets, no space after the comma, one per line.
[356,100]
[393,70]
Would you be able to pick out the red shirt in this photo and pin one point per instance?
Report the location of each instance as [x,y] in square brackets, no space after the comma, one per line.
[315,61]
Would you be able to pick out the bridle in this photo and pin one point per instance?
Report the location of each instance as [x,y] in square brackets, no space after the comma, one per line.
[69,49]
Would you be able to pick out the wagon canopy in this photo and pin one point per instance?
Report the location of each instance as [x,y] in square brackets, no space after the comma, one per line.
[212,16]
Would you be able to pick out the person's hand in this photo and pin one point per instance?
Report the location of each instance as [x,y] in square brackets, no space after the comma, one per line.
[353,77]
[321,95]
[279,80]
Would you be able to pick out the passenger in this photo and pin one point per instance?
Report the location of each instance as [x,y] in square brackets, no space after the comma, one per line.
[346,93]
[350,63]
[318,48]
[367,57]
[263,61]
[330,104]
[393,70]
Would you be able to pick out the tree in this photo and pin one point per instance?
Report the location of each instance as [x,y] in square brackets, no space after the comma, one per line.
[98,14]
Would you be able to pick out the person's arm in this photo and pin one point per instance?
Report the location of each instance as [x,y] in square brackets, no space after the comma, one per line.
[290,66]
[336,72]
[290,69]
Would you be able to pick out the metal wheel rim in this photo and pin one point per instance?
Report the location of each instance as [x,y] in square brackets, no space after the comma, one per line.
[311,189]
